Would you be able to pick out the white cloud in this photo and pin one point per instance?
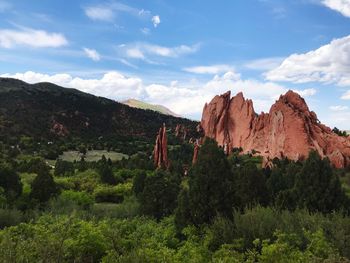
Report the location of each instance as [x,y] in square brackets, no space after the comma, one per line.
[108,12]
[338,108]
[186,99]
[111,85]
[92,53]
[99,13]
[264,63]
[212,69]
[306,92]
[341,6]
[327,64]
[142,50]
[346,95]
[31,37]
[134,53]
[156,20]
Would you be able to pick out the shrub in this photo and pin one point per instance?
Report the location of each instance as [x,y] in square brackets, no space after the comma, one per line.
[108,194]
[82,199]
[10,217]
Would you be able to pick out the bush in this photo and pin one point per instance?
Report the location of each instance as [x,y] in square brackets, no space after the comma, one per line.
[10,217]
[82,199]
[129,208]
[108,194]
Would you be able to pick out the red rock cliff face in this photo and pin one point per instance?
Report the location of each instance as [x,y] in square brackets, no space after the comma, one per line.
[289,130]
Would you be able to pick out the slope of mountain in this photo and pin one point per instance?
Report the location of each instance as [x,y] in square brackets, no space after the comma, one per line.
[147,106]
[289,130]
[48,110]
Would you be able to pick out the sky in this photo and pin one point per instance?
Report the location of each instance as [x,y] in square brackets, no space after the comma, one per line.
[181,54]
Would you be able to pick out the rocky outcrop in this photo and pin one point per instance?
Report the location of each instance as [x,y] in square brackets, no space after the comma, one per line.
[289,130]
[160,152]
[59,129]
[195,152]
[181,131]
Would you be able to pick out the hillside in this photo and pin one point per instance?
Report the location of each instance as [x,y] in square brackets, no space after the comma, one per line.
[147,106]
[46,110]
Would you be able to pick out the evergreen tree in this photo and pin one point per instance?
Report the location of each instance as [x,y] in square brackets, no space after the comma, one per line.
[160,193]
[139,183]
[43,187]
[249,186]
[10,182]
[106,174]
[63,168]
[210,185]
[317,188]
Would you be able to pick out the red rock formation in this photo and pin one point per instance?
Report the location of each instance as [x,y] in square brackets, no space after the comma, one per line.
[161,149]
[289,130]
[59,129]
[180,129]
[195,152]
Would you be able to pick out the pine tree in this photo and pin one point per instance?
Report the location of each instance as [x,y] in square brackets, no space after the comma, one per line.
[317,187]
[43,187]
[210,185]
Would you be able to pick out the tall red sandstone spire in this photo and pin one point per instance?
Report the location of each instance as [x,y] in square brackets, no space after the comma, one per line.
[161,149]
[289,130]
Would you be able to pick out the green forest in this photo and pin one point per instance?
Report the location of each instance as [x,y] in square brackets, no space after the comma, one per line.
[225,209]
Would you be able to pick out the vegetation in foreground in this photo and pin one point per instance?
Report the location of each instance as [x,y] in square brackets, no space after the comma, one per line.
[227,209]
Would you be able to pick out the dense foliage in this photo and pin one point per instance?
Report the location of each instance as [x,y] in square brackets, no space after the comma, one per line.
[223,209]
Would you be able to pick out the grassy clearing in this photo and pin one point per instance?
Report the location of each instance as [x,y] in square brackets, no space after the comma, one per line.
[92,156]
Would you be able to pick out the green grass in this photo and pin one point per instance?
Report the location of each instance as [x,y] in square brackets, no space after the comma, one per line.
[92,156]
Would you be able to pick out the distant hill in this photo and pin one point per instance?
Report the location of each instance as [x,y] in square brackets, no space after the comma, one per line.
[47,110]
[147,106]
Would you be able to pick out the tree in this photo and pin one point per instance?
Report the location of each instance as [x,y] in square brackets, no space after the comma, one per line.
[106,174]
[82,165]
[43,187]
[139,183]
[249,186]
[63,168]
[160,193]
[210,185]
[317,187]
[10,182]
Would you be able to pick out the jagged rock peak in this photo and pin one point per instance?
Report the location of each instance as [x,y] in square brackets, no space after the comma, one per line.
[289,130]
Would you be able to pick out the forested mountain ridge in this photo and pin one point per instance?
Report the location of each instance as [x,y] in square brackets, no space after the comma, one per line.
[46,110]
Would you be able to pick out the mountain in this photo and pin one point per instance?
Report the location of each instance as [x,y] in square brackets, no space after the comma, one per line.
[289,130]
[45,110]
[146,106]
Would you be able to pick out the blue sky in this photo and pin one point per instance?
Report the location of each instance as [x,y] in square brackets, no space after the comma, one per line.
[182,53]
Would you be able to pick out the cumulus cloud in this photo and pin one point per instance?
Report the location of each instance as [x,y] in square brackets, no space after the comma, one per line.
[212,69]
[186,99]
[10,38]
[92,53]
[111,85]
[327,64]
[338,108]
[341,6]
[142,50]
[155,20]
